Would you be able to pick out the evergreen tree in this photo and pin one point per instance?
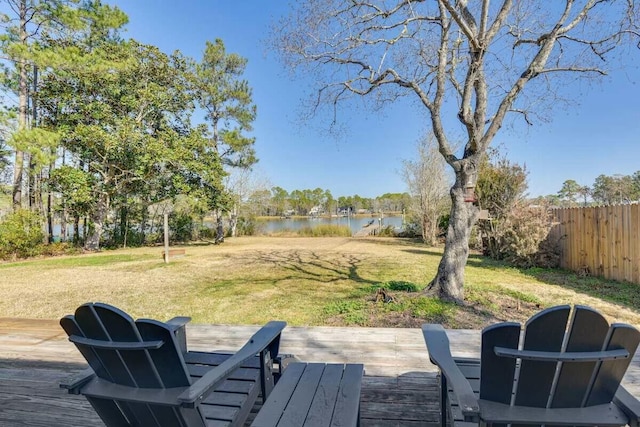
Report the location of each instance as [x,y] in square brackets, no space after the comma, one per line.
[227,100]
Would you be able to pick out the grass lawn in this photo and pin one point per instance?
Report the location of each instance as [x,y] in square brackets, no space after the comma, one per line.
[305,281]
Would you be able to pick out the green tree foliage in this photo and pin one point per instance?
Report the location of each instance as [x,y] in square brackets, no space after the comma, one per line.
[616,189]
[570,191]
[129,129]
[31,42]
[5,152]
[75,186]
[279,197]
[119,124]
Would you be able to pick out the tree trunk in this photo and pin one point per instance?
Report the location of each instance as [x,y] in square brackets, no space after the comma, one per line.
[220,227]
[50,210]
[76,230]
[143,223]
[23,93]
[122,235]
[233,221]
[448,284]
[97,218]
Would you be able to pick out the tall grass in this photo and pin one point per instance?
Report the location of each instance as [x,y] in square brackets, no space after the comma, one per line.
[325,230]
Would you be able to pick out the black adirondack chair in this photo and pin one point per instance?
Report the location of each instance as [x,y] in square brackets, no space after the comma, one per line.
[141,373]
[567,371]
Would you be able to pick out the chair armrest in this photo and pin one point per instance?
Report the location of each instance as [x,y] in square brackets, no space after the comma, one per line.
[177,325]
[552,356]
[75,382]
[178,322]
[116,345]
[207,383]
[629,404]
[440,354]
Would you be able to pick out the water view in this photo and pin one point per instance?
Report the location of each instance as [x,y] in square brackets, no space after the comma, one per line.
[269,226]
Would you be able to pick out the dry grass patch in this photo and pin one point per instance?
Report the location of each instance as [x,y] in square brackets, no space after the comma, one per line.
[305,281]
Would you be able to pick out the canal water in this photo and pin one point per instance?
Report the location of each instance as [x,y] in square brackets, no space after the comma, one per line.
[269,226]
[276,225]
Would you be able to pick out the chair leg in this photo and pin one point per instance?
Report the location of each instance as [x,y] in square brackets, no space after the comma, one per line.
[443,400]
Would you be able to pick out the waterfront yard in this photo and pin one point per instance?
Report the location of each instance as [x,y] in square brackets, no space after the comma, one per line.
[305,281]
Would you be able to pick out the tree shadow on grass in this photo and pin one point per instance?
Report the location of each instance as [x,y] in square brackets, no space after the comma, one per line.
[622,293]
[311,266]
[392,241]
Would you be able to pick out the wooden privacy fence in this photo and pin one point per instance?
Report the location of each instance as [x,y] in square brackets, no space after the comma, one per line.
[601,241]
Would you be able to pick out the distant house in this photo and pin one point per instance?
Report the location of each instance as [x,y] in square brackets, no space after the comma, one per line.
[316,210]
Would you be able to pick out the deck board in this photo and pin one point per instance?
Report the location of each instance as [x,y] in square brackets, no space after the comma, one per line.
[399,387]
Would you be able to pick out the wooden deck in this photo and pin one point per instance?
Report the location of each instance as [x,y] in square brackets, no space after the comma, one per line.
[399,388]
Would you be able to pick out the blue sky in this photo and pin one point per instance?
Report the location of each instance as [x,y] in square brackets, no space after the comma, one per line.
[598,135]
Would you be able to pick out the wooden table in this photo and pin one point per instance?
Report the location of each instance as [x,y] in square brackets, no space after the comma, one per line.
[314,394]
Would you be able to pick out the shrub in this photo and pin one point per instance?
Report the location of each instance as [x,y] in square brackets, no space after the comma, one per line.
[60,248]
[21,234]
[522,238]
[399,285]
[181,226]
[387,231]
[247,226]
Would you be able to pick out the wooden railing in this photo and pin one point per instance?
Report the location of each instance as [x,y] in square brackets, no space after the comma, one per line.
[600,241]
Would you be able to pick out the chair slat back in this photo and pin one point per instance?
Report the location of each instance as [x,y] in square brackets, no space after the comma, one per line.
[588,331]
[610,372]
[544,331]
[568,383]
[496,373]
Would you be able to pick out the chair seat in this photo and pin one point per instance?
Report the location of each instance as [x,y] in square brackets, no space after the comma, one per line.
[236,395]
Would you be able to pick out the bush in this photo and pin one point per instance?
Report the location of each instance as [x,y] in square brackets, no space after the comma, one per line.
[387,231]
[522,238]
[247,226]
[21,235]
[399,285]
[60,248]
[181,227]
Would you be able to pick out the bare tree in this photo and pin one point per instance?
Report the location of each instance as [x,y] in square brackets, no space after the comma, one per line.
[468,64]
[242,183]
[428,184]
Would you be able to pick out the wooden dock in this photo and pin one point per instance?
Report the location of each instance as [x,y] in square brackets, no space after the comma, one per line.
[399,388]
[371,229]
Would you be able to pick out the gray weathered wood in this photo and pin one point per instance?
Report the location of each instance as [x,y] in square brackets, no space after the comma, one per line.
[316,395]
[610,372]
[544,331]
[496,377]
[601,415]
[588,331]
[347,409]
[438,346]
[573,356]
[399,388]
